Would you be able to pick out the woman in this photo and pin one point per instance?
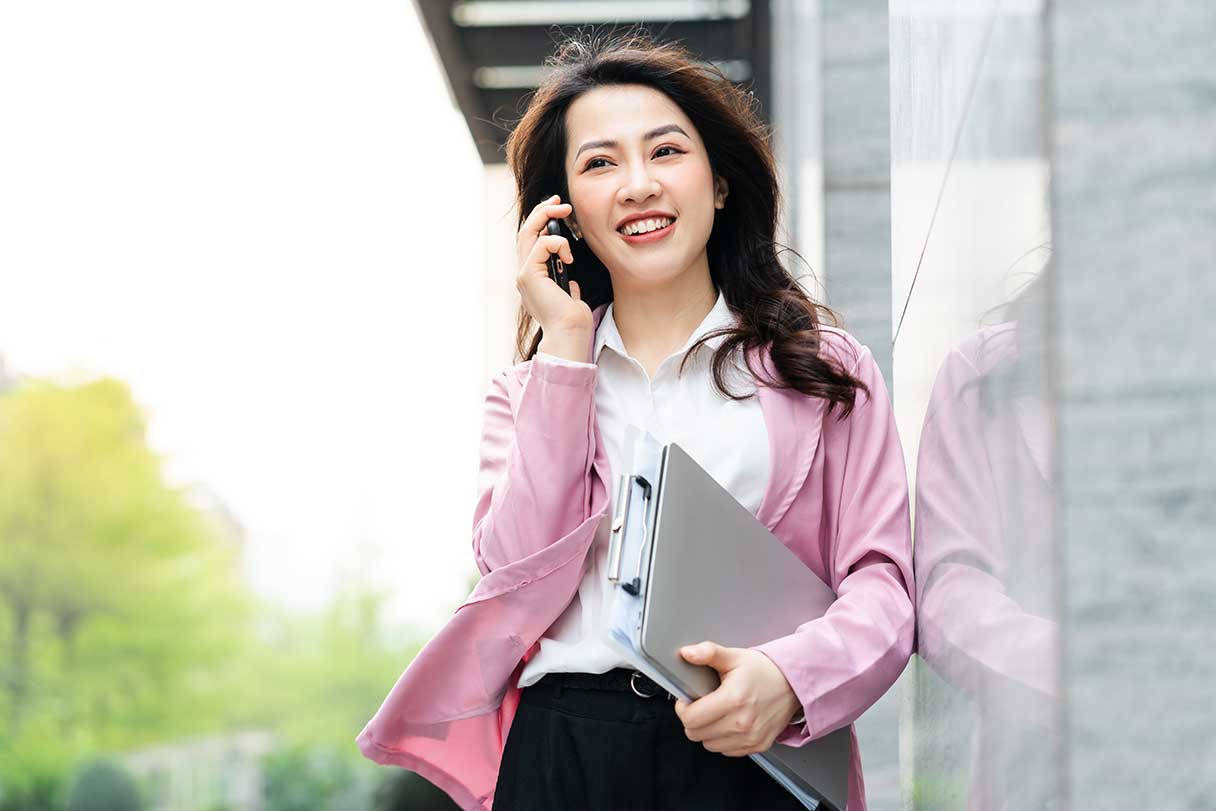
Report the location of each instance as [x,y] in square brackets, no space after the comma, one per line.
[517,702]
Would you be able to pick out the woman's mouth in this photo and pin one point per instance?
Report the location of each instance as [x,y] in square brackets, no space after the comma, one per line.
[657,230]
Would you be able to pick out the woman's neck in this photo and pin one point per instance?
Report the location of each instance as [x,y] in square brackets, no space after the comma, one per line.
[654,322]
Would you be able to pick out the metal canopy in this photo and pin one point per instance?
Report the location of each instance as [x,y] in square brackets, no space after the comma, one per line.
[492,50]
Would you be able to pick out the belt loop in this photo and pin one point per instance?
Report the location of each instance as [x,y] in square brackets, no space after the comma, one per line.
[558,687]
[633,685]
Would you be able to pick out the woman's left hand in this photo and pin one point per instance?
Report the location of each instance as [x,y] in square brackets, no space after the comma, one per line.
[749,709]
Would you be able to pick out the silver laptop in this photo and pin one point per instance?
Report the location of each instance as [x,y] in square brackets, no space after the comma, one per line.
[688,562]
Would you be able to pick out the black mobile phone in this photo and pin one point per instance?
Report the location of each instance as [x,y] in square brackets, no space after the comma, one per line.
[557,269]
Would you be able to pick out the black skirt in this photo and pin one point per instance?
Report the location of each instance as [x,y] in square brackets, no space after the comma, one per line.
[585,742]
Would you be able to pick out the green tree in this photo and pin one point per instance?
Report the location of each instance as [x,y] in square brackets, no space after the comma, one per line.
[306,778]
[124,620]
[116,592]
[320,676]
[32,777]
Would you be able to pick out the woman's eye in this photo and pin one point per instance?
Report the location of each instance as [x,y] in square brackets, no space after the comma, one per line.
[595,163]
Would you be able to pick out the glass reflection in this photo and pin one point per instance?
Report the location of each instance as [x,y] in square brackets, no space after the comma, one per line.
[985,569]
[970,236]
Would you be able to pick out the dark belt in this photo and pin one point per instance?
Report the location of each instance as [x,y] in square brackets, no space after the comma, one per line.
[620,679]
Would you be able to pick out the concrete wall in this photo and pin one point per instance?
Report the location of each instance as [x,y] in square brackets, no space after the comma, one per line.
[1133,102]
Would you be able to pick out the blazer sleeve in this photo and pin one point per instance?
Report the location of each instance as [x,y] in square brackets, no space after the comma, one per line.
[971,630]
[841,663]
[533,481]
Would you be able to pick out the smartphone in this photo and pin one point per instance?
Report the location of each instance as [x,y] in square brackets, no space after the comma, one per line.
[557,269]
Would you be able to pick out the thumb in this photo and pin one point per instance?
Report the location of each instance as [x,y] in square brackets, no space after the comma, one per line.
[705,653]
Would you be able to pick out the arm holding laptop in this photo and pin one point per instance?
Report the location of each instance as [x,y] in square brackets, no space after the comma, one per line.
[836,666]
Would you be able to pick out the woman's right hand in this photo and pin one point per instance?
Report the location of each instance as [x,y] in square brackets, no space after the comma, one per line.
[559,315]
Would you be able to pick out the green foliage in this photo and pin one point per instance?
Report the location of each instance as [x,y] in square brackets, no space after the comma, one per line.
[33,775]
[114,588]
[304,778]
[125,622]
[103,786]
[319,677]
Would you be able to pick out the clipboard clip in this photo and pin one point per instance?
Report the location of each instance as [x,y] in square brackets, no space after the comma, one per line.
[634,586]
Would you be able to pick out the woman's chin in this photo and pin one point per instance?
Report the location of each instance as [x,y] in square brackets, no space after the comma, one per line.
[643,278]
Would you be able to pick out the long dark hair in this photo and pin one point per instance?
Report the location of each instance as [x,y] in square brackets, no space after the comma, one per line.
[769,303]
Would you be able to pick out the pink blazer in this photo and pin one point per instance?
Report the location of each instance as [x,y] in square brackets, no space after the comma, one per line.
[837,496]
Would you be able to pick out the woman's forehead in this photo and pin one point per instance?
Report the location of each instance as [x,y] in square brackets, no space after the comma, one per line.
[622,113]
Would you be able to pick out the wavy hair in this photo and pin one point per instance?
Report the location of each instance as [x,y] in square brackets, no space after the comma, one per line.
[768,302]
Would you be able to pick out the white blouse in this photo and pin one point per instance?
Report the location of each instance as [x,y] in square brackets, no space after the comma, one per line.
[726,437]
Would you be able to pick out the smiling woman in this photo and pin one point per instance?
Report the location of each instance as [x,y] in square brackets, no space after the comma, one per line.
[626,129]
[664,174]
[631,189]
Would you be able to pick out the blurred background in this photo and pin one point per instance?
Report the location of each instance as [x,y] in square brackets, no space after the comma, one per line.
[256,271]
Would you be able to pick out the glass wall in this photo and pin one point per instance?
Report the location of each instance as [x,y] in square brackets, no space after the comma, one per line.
[1052,228]
[970,228]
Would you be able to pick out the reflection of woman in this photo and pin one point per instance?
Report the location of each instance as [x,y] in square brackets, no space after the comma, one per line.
[986,564]
[518,701]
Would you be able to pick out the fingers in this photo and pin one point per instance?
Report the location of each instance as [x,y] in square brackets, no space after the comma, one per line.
[544,211]
[725,729]
[547,245]
[535,244]
[724,737]
[711,710]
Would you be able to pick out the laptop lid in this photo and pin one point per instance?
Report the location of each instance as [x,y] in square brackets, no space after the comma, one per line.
[717,573]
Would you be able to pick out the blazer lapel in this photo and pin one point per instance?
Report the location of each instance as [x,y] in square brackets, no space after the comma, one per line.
[599,459]
[794,422]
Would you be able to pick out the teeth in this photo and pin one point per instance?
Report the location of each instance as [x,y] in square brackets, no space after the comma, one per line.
[643,226]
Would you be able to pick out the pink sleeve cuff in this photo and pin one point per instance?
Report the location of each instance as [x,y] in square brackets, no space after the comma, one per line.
[562,371]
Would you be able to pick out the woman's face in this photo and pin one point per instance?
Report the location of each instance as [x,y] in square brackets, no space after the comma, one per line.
[632,150]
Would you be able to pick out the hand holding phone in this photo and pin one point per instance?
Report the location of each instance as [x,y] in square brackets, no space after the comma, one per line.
[548,294]
[557,270]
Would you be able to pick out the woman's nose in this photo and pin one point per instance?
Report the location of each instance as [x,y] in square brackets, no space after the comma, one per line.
[641,186]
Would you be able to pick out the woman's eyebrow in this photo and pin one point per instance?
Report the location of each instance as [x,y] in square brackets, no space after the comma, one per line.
[654,133]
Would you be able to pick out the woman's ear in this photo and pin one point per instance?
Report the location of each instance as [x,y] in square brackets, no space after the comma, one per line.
[574,229]
[721,189]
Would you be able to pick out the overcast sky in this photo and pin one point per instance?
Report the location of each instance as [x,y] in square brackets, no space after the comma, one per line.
[236,207]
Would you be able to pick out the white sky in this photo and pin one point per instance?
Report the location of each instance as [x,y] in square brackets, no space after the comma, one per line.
[247,211]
